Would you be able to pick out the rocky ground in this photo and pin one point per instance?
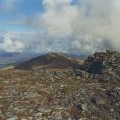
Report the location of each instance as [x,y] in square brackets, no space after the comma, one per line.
[59,94]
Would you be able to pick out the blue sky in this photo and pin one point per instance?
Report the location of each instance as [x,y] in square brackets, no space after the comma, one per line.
[25,8]
[59,25]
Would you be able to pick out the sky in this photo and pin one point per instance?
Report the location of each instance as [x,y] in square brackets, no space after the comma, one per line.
[69,26]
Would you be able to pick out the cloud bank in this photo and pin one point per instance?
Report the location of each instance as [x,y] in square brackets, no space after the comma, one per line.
[9,44]
[85,27]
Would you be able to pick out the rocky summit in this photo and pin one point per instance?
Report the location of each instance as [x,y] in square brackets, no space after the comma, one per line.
[46,91]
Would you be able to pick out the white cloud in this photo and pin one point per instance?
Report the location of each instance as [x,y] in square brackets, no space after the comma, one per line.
[53,3]
[95,18]
[89,26]
[103,20]
[58,17]
[11,45]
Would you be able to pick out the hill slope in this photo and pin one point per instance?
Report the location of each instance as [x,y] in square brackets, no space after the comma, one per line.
[60,94]
[52,60]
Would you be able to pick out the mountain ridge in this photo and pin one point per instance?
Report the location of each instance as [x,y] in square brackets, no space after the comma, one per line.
[50,60]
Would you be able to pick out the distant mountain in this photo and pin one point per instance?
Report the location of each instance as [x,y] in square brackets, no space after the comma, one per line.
[8,54]
[8,58]
[50,60]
